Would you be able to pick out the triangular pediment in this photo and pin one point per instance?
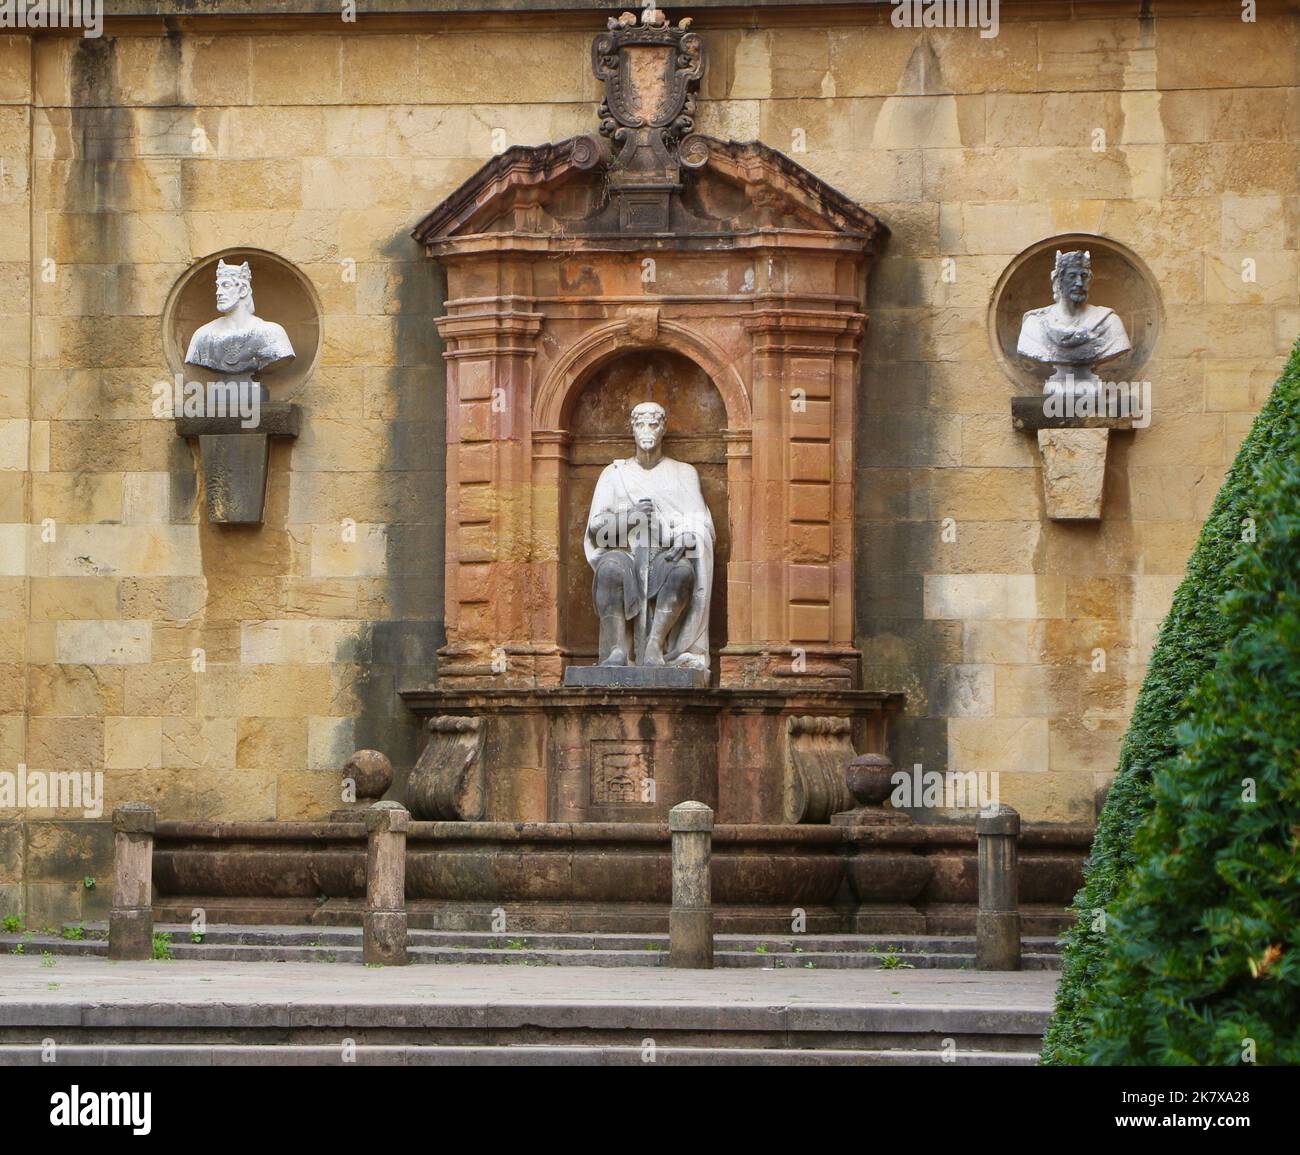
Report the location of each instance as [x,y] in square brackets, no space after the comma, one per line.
[564,189]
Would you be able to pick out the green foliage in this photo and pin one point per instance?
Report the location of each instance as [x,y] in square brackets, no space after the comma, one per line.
[12,923]
[162,946]
[1190,639]
[74,933]
[1204,958]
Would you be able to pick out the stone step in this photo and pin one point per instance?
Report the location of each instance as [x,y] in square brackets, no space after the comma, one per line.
[398,1023]
[517,1055]
[343,944]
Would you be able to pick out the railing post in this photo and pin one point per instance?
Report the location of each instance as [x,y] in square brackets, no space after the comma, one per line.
[690,921]
[130,919]
[997,926]
[383,926]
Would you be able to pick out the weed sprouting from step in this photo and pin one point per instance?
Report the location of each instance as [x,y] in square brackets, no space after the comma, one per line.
[162,946]
[74,933]
[12,923]
[197,937]
[761,948]
[47,959]
[19,948]
[516,944]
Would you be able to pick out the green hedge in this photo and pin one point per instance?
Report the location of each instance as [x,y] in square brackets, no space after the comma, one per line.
[1203,965]
[1190,639]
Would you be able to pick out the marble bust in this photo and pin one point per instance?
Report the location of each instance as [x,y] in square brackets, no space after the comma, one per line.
[238,341]
[1070,334]
[650,542]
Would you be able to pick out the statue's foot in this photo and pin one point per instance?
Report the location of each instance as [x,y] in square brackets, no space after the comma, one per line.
[654,656]
[617,657]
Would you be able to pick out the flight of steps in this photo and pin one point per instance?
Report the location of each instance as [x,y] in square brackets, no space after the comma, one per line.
[343,945]
[497,1025]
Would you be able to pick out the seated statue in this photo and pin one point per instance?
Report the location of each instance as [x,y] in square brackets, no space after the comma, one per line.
[1071,334]
[650,542]
[238,341]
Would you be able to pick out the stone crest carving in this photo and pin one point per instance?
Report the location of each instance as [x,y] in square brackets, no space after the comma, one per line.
[651,73]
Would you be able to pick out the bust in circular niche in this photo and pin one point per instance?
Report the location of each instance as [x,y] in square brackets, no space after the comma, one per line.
[1070,334]
[238,341]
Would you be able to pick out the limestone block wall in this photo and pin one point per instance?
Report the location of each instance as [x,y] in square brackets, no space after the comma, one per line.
[227,673]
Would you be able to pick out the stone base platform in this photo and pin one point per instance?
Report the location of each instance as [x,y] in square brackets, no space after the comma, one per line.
[637,677]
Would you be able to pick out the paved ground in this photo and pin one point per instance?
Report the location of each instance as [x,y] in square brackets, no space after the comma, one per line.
[96,980]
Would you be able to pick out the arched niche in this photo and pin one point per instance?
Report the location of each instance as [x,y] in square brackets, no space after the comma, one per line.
[597,420]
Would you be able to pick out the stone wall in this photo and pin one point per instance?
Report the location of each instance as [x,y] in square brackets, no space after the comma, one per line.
[226,673]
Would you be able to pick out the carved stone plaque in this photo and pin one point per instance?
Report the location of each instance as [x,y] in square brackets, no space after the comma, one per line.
[619,770]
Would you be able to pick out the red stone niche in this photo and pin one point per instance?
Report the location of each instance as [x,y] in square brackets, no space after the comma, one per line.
[598,429]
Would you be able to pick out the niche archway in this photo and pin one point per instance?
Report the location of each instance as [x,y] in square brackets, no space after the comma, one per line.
[597,424]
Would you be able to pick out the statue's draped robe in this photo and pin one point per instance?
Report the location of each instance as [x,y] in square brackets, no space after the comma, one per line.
[1097,335]
[674,487]
[249,348]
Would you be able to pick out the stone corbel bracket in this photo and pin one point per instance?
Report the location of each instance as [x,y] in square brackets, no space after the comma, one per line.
[817,751]
[235,460]
[1074,456]
[447,781]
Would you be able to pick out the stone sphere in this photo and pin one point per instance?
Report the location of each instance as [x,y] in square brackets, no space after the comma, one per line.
[371,771]
[868,777]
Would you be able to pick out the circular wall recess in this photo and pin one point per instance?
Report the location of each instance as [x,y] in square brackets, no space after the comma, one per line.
[1120,281]
[281,293]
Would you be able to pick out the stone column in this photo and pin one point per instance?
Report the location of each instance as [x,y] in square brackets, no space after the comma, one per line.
[997,926]
[130,920]
[383,926]
[690,922]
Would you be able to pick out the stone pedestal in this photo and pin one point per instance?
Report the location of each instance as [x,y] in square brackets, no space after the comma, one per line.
[629,754]
[130,920]
[1074,451]
[1074,472]
[235,459]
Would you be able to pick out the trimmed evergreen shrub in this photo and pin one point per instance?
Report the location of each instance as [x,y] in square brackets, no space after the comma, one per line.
[1190,639]
[1203,961]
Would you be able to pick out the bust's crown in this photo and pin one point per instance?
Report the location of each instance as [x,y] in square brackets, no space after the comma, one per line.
[239,272]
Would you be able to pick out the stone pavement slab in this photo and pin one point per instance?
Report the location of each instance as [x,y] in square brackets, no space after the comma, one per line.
[77,981]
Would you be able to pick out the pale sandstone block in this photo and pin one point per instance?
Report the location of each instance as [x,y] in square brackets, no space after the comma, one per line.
[199,743]
[524,67]
[13,550]
[749,76]
[15,69]
[1196,52]
[297,642]
[91,598]
[102,643]
[1253,223]
[998,744]
[969,691]
[340,183]
[146,499]
[235,796]
[304,794]
[261,132]
[132,743]
[271,743]
[1240,384]
[381,70]
[996,596]
[1250,278]
[161,689]
[75,691]
[1065,797]
[14,436]
[209,183]
[216,70]
[330,742]
[990,642]
[297,70]
[100,550]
